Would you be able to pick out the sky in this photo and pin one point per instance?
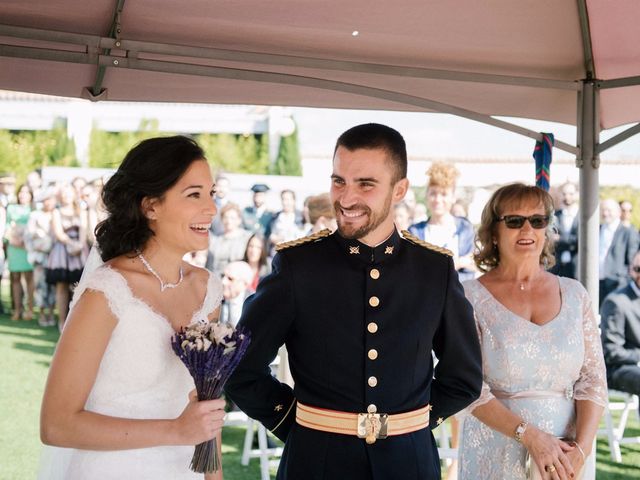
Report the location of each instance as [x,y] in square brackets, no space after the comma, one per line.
[444,136]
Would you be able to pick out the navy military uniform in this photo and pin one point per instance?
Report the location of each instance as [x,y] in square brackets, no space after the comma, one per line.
[360,324]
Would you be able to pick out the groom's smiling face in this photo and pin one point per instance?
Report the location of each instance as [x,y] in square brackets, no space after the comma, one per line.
[182,217]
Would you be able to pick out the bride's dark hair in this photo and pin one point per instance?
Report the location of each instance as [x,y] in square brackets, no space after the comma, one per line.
[149,169]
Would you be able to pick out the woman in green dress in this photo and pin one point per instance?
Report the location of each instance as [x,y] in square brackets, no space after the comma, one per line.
[18,264]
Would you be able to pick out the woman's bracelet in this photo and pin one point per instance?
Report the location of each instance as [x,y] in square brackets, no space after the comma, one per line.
[584,457]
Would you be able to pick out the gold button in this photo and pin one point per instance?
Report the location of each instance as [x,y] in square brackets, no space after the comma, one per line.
[374,301]
[372,408]
[374,273]
[372,354]
[372,327]
[373,381]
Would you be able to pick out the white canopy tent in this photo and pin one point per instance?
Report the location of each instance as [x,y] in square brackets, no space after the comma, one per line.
[570,61]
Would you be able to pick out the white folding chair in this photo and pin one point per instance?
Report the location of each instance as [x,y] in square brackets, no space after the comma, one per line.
[625,403]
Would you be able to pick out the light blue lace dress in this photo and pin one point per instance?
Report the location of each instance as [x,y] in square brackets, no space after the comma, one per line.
[538,372]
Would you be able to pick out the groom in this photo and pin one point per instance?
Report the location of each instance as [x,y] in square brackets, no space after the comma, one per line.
[360,312]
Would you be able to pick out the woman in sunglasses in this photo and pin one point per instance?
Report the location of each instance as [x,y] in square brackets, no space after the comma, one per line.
[544,375]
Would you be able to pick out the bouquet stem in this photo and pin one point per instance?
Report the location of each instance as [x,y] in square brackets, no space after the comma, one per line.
[205,458]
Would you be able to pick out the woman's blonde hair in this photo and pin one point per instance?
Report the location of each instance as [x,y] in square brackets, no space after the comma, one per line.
[443,175]
[487,255]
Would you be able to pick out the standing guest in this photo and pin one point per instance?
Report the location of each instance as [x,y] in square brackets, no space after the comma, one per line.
[39,240]
[18,263]
[566,240]
[236,280]
[411,202]
[458,209]
[287,224]
[442,228]
[34,180]
[402,216]
[69,250]
[231,244]
[3,228]
[620,314]
[530,322]
[626,213]
[118,398]
[321,213]
[256,256]
[91,201]
[257,217]
[7,190]
[360,311]
[618,245]
[420,213]
[223,186]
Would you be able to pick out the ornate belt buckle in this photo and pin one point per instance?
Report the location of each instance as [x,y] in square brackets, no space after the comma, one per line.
[568,393]
[372,426]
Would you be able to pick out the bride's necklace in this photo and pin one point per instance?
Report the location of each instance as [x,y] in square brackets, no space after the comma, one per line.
[163,286]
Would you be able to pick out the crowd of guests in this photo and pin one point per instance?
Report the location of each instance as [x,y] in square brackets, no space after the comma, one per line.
[47,231]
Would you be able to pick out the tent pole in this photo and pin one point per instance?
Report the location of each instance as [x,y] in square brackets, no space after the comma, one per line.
[588,162]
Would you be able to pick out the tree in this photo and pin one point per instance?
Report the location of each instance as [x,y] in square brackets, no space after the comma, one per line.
[288,161]
[24,151]
[108,149]
[236,153]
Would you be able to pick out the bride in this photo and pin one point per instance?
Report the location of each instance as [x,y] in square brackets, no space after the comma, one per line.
[117,397]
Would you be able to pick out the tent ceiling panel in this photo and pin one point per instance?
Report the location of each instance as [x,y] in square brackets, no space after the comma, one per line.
[615,36]
[536,39]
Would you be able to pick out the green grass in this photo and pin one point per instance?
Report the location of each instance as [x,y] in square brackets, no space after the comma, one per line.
[25,353]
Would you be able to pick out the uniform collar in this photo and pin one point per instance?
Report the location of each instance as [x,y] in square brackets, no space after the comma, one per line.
[357,250]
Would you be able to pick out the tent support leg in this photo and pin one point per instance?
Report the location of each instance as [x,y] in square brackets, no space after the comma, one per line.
[588,163]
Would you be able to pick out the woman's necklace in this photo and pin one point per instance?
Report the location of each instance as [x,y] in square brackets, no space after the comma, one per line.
[163,286]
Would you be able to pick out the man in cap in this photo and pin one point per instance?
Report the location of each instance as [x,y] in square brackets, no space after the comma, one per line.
[360,311]
[256,218]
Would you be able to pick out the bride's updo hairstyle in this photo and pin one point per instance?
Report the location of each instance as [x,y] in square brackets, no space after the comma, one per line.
[149,169]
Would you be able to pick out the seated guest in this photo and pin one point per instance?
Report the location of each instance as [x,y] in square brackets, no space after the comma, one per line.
[231,244]
[235,289]
[256,256]
[544,376]
[620,314]
[321,213]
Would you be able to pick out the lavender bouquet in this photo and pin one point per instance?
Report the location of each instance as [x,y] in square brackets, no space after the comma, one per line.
[211,352]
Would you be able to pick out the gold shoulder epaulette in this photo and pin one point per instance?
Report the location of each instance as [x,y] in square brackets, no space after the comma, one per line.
[422,243]
[301,241]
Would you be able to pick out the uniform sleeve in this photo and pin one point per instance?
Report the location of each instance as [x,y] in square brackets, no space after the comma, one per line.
[613,335]
[458,374]
[592,383]
[268,315]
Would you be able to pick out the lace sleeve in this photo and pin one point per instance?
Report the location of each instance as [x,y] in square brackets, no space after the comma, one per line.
[471,292]
[592,383]
[108,282]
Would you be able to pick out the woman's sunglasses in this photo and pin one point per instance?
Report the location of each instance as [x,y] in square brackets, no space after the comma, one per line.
[517,221]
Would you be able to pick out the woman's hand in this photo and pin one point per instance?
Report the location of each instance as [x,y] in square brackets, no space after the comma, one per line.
[576,457]
[550,454]
[200,420]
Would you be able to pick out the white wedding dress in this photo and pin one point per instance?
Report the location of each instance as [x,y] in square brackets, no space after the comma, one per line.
[139,377]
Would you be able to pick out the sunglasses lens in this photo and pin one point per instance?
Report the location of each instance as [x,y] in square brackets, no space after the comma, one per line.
[538,221]
[514,221]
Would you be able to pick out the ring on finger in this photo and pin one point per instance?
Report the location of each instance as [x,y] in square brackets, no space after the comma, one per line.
[550,468]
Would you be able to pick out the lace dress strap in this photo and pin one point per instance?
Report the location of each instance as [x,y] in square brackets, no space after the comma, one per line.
[109,282]
[212,299]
